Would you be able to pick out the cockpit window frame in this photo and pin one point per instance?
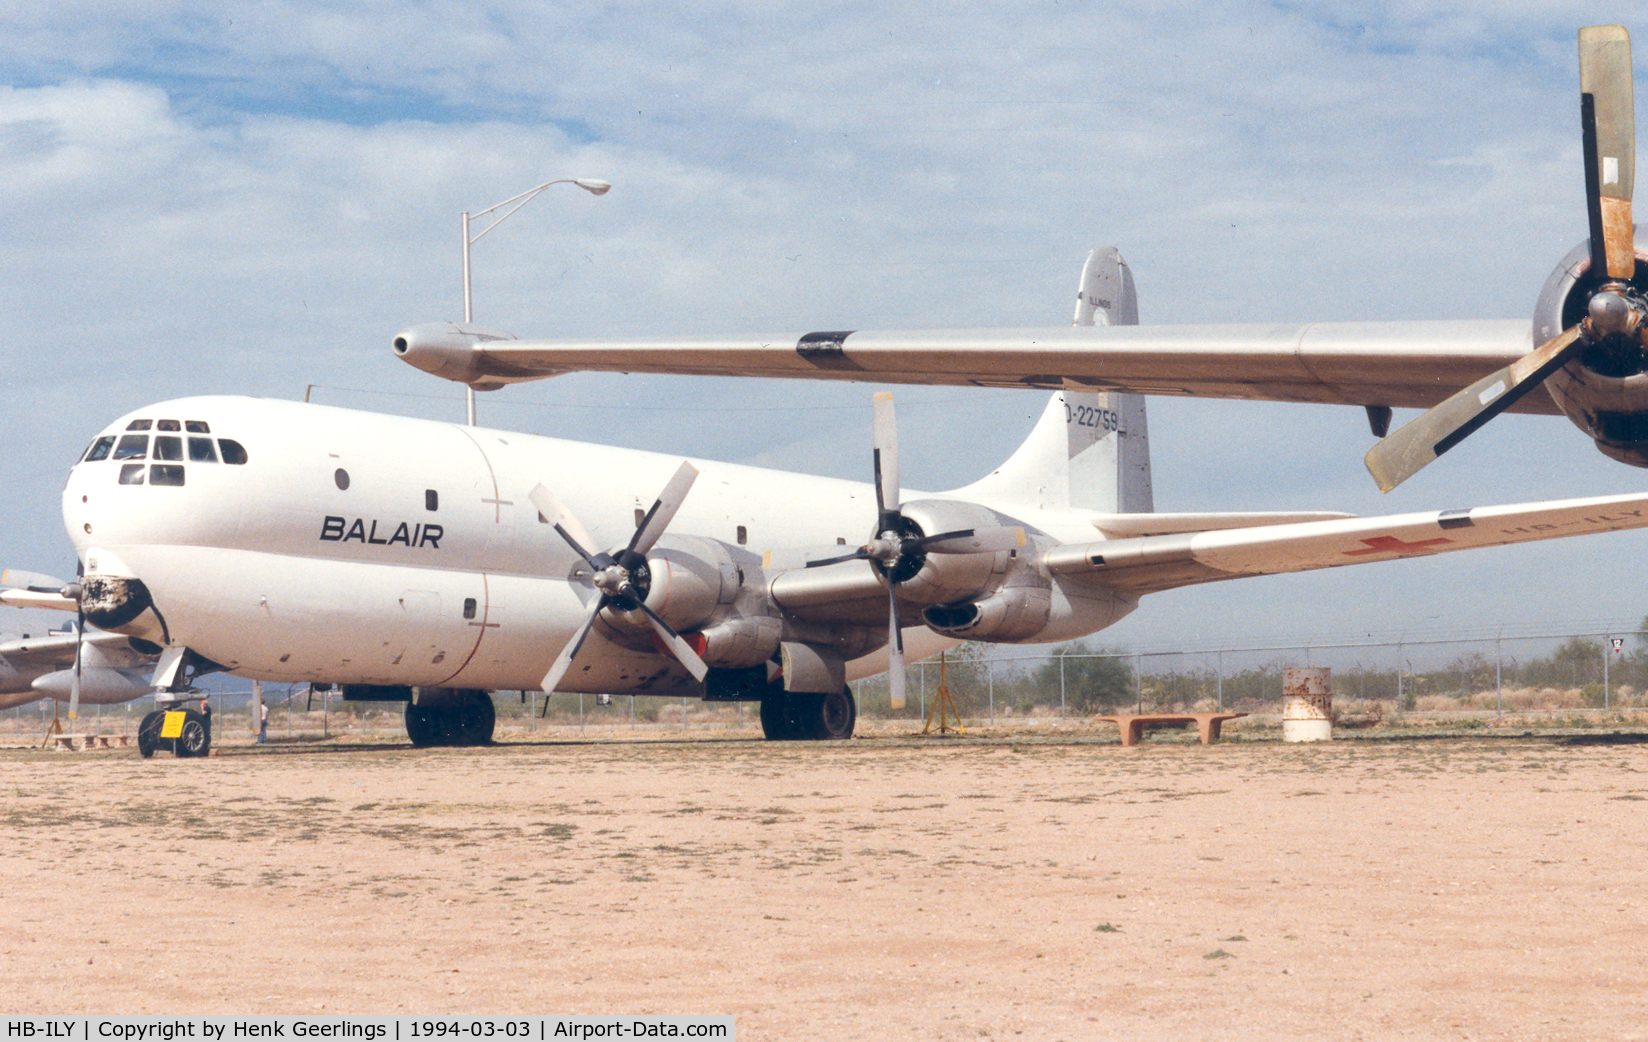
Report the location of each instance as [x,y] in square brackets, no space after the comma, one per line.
[99,449]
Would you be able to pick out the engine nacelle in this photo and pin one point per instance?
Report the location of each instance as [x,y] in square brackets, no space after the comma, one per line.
[1604,390]
[947,578]
[1004,616]
[451,351]
[741,641]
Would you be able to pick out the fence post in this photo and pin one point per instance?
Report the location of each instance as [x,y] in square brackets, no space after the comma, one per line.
[1607,650]
[1221,680]
[1061,680]
[1499,678]
[1138,680]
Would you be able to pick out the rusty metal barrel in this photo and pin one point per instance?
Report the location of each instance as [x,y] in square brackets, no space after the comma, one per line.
[1307,704]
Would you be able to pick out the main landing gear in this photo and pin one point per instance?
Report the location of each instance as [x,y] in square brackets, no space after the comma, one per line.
[465,718]
[801,716]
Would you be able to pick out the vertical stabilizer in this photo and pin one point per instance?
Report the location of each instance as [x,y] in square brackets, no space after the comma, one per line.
[1090,449]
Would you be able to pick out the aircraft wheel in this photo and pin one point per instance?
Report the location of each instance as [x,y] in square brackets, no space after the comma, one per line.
[837,713]
[148,734]
[196,739]
[421,726]
[474,719]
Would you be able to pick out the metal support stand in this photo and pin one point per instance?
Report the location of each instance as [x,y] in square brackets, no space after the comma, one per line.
[944,707]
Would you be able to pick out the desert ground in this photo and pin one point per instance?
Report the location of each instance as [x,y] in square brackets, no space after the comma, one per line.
[997,885]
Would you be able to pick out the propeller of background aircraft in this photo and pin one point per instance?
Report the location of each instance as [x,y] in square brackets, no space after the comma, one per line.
[897,547]
[620,578]
[1615,312]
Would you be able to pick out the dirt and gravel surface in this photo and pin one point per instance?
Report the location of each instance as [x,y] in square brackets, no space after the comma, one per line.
[1023,886]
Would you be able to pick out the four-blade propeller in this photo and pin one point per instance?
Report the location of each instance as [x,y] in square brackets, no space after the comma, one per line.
[621,578]
[897,548]
[1615,310]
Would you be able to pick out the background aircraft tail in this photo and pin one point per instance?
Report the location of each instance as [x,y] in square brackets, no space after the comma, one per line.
[1090,450]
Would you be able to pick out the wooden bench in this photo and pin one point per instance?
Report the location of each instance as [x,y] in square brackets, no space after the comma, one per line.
[1132,725]
[77,742]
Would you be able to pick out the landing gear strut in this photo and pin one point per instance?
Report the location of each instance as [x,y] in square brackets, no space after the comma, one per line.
[802,716]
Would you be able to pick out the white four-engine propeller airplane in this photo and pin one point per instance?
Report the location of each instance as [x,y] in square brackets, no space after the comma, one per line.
[434,562]
[1589,326]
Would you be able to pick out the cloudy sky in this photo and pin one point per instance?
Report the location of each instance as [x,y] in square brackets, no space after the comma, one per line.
[211,198]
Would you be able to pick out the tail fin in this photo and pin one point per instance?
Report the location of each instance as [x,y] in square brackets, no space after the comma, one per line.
[1090,450]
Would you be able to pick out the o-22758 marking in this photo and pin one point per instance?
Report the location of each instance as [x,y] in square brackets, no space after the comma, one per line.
[1088,416]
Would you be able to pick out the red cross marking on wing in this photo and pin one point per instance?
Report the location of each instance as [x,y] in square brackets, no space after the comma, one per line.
[1389,544]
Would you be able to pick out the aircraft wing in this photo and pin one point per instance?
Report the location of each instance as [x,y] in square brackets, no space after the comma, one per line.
[57,649]
[1153,563]
[1404,364]
[37,599]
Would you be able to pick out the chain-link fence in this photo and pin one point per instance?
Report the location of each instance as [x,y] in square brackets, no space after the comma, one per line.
[1547,673]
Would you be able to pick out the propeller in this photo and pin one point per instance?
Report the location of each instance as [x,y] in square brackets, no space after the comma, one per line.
[898,547]
[1615,311]
[621,578]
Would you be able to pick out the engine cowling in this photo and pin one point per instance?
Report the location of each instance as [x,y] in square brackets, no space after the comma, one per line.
[687,579]
[1604,389]
[935,578]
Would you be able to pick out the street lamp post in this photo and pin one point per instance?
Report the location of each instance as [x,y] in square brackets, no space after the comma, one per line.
[508,206]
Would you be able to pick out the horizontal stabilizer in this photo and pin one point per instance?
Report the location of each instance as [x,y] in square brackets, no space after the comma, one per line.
[1148,564]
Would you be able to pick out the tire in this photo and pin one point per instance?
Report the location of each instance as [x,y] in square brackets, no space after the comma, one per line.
[474,719]
[148,734]
[196,739]
[837,714]
[777,715]
[420,726]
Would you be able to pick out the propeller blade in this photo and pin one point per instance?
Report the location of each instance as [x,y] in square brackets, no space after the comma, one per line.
[679,648]
[1608,123]
[563,661]
[663,509]
[79,657]
[1401,455]
[974,540]
[857,555]
[886,456]
[565,522]
[895,651]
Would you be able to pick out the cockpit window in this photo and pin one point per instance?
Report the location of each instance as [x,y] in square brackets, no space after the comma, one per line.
[167,448]
[100,449]
[166,474]
[132,446]
[201,450]
[197,427]
[233,451]
[168,425]
[132,474]
[138,425]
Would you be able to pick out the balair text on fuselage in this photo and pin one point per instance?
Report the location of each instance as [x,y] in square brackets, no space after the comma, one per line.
[342,530]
